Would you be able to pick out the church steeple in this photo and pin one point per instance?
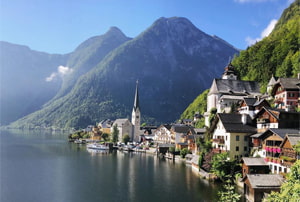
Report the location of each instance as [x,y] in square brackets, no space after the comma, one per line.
[229,72]
[136,98]
[136,115]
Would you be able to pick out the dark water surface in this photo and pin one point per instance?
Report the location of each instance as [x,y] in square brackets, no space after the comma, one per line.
[39,166]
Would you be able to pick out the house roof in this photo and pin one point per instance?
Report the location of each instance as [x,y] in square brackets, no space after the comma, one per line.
[251,161]
[293,138]
[264,181]
[280,132]
[250,101]
[181,128]
[120,122]
[233,123]
[272,81]
[288,83]
[234,87]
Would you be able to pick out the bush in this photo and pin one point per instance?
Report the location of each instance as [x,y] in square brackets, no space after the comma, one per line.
[184,152]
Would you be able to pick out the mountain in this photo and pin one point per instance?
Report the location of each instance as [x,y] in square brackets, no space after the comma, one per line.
[89,54]
[277,54]
[173,61]
[23,86]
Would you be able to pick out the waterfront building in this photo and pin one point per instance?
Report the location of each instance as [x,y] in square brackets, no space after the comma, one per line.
[256,186]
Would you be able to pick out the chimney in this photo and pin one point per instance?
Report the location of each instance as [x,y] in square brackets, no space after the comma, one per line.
[244,118]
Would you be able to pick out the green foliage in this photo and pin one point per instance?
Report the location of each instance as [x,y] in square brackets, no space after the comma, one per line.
[184,152]
[198,105]
[115,134]
[105,136]
[228,194]
[126,138]
[279,52]
[172,150]
[222,167]
[290,190]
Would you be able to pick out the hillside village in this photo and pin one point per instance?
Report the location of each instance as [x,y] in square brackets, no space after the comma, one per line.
[240,121]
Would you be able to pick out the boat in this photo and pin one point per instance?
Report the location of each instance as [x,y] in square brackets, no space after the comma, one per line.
[97,146]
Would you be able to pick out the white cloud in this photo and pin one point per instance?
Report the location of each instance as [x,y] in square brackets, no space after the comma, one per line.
[61,71]
[51,77]
[250,41]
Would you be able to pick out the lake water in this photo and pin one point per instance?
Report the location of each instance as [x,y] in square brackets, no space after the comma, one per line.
[40,166]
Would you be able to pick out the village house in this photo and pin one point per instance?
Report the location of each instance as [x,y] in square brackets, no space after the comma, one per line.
[105,126]
[286,93]
[270,147]
[226,92]
[253,165]
[256,186]
[231,134]
[184,136]
[162,135]
[252,106]
[275,118]
[288,153]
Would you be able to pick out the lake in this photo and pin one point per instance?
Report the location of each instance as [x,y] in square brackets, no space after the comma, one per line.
[43,166]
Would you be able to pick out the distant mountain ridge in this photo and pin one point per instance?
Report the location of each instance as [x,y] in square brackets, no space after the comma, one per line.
[22,85]
[173,61]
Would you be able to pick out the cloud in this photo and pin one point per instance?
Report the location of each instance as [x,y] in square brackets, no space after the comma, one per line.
[51,77]
[61,72]
[250,41]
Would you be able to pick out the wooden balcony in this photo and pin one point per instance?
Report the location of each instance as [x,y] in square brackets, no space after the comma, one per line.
[218,141]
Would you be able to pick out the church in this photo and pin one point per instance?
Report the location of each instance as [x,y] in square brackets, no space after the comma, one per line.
[131,128]
[228,91]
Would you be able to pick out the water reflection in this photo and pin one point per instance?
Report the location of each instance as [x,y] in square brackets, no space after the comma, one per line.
[45,167]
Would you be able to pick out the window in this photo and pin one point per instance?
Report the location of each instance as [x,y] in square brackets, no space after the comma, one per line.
[245,148]
[245,138]
[237,138]
[237,149]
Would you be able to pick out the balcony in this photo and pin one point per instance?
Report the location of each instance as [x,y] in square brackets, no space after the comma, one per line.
[218,141]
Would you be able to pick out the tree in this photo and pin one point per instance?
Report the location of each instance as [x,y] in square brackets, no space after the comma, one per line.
[222,167]
[126,138]
[184,152]
[115,134]
[105,136]
[290,190]
[228,193]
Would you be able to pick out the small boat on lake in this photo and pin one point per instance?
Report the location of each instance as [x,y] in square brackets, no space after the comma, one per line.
[97,146]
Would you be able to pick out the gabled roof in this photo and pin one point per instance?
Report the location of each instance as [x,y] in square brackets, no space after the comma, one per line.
[276,113]
[281,132]
[264,181]
[293,139]
[272,81]
[120,122]
[237,87]
[233,123]
[288,83]
[181,128]
[251,161]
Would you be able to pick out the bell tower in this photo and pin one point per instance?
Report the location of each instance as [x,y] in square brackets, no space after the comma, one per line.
[136,114]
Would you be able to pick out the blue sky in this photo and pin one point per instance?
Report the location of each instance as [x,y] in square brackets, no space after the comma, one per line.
[59,26]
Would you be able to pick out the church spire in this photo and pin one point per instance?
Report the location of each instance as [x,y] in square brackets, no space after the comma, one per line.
[136,98]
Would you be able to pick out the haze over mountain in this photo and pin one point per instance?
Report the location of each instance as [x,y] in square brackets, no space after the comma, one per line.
[23,87]
[173,61]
